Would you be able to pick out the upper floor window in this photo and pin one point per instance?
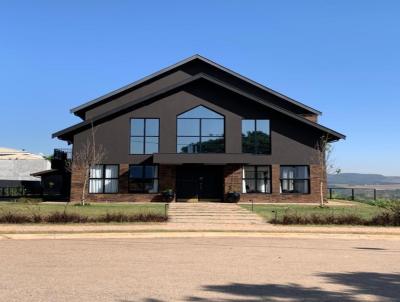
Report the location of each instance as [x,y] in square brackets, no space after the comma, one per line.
[200,130]
[256,138]
[295,179]
[144,135]
[103,179]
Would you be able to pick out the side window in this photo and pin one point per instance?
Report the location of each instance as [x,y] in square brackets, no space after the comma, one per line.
[295,179]
[144,136]
[103,179]
[143,178]
[256,179]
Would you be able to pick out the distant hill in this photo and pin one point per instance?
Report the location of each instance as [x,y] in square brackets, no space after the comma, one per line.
[362,179]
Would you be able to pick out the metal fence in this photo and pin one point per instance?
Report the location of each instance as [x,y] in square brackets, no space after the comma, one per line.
[62,154]
[362,194]
[17,192]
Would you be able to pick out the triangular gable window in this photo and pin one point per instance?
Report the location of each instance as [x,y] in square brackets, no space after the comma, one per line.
[200,112]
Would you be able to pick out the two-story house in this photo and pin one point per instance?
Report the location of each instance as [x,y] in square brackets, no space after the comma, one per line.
[201,130]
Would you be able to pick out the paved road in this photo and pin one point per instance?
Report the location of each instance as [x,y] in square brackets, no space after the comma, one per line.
[200,269]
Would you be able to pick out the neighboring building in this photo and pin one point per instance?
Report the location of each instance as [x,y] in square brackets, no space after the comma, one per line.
[16,167]
[56,182]
[201,130]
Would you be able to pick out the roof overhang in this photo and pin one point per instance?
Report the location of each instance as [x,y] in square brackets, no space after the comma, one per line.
[45,172]
[68,133]
[80,109]
[209,159]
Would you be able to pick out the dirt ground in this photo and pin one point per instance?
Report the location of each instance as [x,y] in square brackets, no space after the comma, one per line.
[200,269]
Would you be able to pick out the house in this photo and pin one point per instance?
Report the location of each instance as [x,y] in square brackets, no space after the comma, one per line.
[201,130]
[16,167]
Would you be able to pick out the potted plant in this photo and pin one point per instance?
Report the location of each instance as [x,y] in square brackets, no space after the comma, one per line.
[168,195]
[232,196]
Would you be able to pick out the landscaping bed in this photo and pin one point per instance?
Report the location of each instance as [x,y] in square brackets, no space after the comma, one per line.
[19,212]
[353,214]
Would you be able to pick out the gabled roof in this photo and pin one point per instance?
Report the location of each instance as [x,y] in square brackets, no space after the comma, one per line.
[99,100]
[66,133]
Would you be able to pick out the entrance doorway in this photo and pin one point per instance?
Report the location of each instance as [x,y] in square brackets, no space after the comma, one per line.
[199,183]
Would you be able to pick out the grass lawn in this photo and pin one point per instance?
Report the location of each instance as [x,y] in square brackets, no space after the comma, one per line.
[90,210]
[360,209]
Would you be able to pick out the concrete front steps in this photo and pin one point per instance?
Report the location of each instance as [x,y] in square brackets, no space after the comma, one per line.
[211,213]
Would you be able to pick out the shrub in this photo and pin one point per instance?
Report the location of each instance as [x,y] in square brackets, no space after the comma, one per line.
[383,219]
[65,217]
[319,219]
[9,217]
[119,217]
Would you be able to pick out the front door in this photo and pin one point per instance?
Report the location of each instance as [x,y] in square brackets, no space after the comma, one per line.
[199,183]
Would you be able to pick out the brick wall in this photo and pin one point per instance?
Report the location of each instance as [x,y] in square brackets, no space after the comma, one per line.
[166,181]
[233,179]
[167,175]
[232,182]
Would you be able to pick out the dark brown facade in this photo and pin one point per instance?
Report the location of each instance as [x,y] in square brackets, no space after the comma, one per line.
[294,132]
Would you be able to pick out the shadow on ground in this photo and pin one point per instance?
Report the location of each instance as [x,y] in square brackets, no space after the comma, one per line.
[383,287]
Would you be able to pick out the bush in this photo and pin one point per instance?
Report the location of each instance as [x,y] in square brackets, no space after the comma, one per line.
[287,219]
[15,218]
[65,217]
[388,218]
[119,217]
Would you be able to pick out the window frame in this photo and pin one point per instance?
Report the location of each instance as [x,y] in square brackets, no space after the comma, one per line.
[200,136]
[143,179]
[103,179]
[256,179]
[295,179]
[269,151]
[144,135]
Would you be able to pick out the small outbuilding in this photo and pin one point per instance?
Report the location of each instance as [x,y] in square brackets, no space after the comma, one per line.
[16,169]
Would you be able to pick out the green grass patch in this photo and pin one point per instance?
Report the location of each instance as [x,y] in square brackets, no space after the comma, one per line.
[269,211]
[92,210]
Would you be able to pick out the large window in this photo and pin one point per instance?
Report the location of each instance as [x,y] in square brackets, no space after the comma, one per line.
[103,179]
[295,179]
[200,130]
[143,178]
[256,137]
[256,179]
[144,135]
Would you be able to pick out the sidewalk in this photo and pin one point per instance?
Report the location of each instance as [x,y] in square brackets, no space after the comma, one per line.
[192,230]
[199,220]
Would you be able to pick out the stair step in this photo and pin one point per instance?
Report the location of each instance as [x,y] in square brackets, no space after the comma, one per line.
[212,214]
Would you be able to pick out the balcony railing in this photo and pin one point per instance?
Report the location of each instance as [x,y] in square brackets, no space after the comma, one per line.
[62,154]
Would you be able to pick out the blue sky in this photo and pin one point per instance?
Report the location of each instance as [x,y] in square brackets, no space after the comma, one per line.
[341,57]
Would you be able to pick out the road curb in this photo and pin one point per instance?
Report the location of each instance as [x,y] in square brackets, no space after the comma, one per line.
[193,234]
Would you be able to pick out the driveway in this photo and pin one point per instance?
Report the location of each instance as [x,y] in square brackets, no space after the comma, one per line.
[200,269]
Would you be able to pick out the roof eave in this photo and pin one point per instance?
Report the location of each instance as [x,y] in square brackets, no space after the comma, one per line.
[77,109]
[133,84]
[66,133]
